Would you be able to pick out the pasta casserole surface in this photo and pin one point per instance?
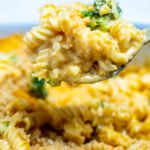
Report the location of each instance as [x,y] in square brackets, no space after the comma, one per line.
[108,115]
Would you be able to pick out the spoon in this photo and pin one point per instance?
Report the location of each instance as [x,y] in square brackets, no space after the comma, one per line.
[97,78]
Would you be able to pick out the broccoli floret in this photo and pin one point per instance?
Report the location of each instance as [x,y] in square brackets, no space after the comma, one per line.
[98,23]
[97,6]
[38,88]
[87,13]
[113,5]
[103,12]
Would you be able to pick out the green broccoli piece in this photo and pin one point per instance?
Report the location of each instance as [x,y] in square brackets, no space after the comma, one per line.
[98,23]
[97,6]
[38,88]
[101,22]
[87,13]
[113,5]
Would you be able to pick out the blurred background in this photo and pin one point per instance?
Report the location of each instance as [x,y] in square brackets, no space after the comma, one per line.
[21,15]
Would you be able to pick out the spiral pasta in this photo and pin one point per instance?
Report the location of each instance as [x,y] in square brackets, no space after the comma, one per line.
[50,10]
[60,116]
[126,35]
[77,131]
[29,120]
[41,65]
[38,35]
[16,138]
[4,145]
[107,135]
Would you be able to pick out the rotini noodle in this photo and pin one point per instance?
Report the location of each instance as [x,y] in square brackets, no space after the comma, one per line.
[4,145]
[126,33]
[38,35]
[41,66]
[61,115]
[47,12]
[29,120]
[16,138]
[108,135]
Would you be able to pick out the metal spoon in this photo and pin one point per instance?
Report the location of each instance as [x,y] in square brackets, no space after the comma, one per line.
[97,78]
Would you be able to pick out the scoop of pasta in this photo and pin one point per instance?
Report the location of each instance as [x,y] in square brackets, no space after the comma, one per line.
[80,43]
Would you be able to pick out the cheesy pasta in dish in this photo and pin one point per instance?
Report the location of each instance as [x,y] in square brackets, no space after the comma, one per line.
[109,115]
[80,43]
